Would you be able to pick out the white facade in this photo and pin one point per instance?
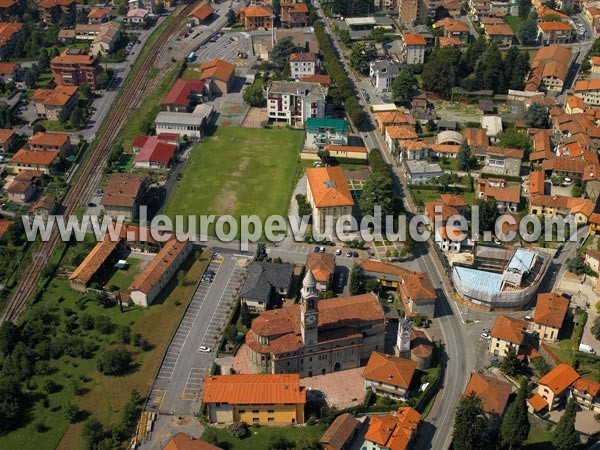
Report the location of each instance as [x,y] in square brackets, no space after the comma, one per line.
[298,69]
[295,102]
[383,73]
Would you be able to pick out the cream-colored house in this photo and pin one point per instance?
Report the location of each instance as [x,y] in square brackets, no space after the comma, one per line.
[507,333]
[550,311]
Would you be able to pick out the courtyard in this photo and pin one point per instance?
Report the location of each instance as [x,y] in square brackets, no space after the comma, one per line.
[238,171]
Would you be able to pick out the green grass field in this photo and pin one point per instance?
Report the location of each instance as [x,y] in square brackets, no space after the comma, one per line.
[238,171]
[44,427]
[259,437]
[514,22]
[424,196]
[124,277]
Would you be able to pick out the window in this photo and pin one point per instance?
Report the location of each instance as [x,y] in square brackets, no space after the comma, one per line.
[255,420]
[242,411]
[271,419]
[270,411]
[255,411]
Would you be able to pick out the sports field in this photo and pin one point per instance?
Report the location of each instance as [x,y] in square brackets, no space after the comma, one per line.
[238,171]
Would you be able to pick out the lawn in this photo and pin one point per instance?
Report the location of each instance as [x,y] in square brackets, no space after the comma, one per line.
[191,72]
[449,164]
[44,426]
[238,171]
[259,438]
[124,277]
[423,196]
[514,22]
[538,439]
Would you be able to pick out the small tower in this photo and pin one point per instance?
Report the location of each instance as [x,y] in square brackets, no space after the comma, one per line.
[309,310]
[403,340]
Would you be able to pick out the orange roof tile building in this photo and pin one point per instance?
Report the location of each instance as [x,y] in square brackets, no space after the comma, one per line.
[265,399]
[549,69]
[99,257]
[322,266]
[122,194]
[50,104]
[553,386]
[550,312]
[42,160]
[182,441]
[507,333]
[256,17]
[218,75]
[394,431]
[201,13]
[493,393]
[389,376]
[52,11]
[340,432]
[75,67]
[316,336]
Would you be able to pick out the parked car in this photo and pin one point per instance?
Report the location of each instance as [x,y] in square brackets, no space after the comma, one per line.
[349,254]
[587,349]
[204,349]
[322,249]
[338,252]
[390,298]
[317,249]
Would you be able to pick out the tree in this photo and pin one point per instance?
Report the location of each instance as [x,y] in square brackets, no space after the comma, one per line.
[38,128]
[230,333]
[440,72]
[536,116]
[131,410]
[524,8]
[361,55]
[276,6]
[404,85]
[71,413]
[378,34]
[596,328]
[245,317]
[357,280]
[253,95]
[102,79]
[345,37]
[515,424]
[490,70]
[469,423]
[281,52]
[84,90]
[260,254]
[11,401]
[510,365]
[565,436]
[576,265]
[465,157]
[93,433]
[9,336]
[238,430]
[304,208]
[278,441]
[114,362]
[488,214]
[231,18]
[527,32]
[511,138]
[77,118]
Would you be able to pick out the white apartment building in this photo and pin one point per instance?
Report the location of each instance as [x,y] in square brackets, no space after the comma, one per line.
[302,64]
[294,102]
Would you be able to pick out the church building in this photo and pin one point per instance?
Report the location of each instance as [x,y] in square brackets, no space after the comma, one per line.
[316,336]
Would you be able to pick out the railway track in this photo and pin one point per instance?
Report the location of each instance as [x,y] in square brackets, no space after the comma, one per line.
[91,168]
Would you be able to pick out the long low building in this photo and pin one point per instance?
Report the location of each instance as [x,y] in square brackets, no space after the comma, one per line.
[155,276]
[512,287]
[193,125]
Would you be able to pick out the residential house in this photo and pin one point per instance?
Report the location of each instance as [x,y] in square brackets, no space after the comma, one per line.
[555,32]
[182,441]
[586,393]
[437,211]
[328,196]
[265,283]
[550,312]
[454,29]
[560,205]
[595,60]
[395,430]
[507,198]
[457,201]
[574,104]
[74,67]
[323,80]
[421,172]
[389,118]
[412,12]
[592,259]
[589,91]
[507,333]
[8,71]
[107,38]
[389,376]
[184,96]
[99,15]
[501,34]
[394,134]
[155,153]
[23,186]
[262,399]
[549,69]
[592,13]
[42,208]
[564,166]
[476,137]
[256,17]
[56,142]
[295,102]
[537,183]
[43,160]
[7,140]
[53,11]
[591,177]
[293,14]
[322,266]
[449,238]
[123,194]
[383,72]
[157,274]
[493,393]
[52,104]
[413,48]
[554,386]
[323,132]
[414,288]
[341,432]
[503,161]
[449,42]
[302,64]
[9,31]
[200,15]
[193,125]
[219,75]
[101,256]
[137,16]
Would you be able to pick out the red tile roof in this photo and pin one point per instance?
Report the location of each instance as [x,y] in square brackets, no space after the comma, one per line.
[122,190]
[509,329]
[301,57]
[322,265]
[550,309]
[259,389]
[328,187]
[537,402]
[393,431]
[217,68]
[34,157]
[94,260]
[324,80]
[51,139]
[554,26]
[340,431]
[154,271]
[492,392]
[180,92]
[203,11]
[182,441]
[559,378]
[390,370]
[413,39]
[536,183]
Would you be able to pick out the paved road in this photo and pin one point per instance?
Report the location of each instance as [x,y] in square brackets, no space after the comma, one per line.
[177,389]
[457,363]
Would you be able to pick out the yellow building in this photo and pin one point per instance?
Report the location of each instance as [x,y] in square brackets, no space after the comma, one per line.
[264,399]
[550,311]
[507,333]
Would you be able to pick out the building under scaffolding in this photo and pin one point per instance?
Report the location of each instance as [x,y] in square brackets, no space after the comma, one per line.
[509,288]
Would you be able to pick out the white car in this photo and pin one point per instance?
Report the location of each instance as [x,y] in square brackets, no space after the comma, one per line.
[486,336]
[338,252]
[204,349]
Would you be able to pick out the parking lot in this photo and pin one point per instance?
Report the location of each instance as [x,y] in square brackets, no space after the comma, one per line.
[178,385]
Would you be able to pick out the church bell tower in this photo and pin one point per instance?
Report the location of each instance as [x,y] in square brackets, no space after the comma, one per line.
[403,339]
[309,312]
